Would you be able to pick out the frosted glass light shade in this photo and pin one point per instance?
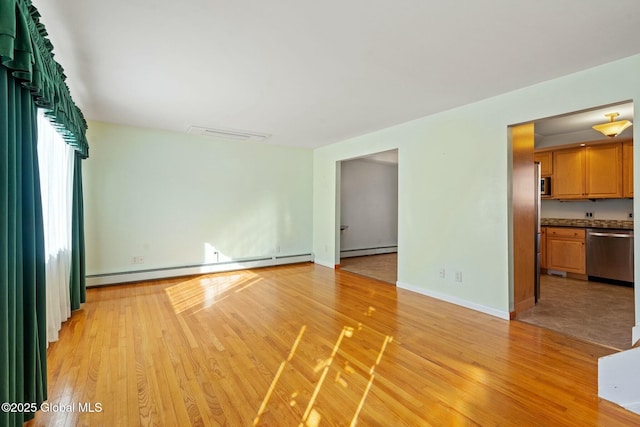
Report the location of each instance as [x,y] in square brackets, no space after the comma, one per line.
[612,128]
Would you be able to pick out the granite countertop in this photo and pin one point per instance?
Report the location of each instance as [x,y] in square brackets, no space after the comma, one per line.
[586,223]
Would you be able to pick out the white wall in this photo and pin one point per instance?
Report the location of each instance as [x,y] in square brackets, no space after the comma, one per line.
[175,199]
[454,184]
[614,209]
[368,204]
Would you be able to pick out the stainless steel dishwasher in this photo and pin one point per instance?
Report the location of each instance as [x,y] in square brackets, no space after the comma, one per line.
[610,254]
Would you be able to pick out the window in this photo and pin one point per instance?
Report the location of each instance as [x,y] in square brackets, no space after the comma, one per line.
[55,159]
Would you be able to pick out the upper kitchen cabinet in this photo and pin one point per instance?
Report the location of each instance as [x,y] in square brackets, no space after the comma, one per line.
[545,158]
[568,177]
[603,169]
[592,172]
[627,169]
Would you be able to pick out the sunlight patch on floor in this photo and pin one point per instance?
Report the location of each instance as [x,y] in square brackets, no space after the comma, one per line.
[204,291]
[351,365]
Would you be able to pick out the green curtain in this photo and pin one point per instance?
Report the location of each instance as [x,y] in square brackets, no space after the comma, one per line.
[22,261]
[77,282]
[27,52]
[30,78]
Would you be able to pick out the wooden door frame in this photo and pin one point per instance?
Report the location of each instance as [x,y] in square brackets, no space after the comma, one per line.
[523,193]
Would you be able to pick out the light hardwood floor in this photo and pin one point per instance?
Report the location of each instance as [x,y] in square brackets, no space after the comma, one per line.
[307,345]
[597,312]
[382,267]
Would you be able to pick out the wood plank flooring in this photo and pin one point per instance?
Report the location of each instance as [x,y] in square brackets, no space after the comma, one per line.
[307,345]
[382,267]
[597,312]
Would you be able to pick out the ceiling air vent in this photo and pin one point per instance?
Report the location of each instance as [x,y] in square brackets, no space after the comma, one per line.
[237,135]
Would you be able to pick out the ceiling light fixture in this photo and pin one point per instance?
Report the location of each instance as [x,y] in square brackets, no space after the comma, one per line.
[612,128]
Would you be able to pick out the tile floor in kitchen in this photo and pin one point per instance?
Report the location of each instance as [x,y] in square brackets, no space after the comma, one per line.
[598,312]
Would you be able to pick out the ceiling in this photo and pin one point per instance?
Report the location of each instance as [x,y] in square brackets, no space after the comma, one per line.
[312,73]
[576,126]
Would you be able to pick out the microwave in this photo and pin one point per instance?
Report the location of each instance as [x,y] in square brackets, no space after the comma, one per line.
[545,186]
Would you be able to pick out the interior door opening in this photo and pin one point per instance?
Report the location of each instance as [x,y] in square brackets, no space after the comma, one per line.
[368,215]
[590,178]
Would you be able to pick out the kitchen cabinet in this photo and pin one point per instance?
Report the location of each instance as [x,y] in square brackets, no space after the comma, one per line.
[603,171]
[545,158]
[592,172]
[566,250]
[568,177]
[543,247]
[627,169]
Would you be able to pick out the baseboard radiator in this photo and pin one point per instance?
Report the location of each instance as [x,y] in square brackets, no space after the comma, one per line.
[346,253]
[189,270]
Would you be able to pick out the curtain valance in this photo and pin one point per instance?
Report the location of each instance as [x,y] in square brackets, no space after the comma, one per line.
[27,53]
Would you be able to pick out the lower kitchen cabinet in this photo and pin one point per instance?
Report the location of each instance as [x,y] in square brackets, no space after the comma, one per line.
[566,250]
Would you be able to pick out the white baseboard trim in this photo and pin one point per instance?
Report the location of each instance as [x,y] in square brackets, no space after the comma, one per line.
[163,273]
[368,251]
[633,407]
[325,263]
[455,300]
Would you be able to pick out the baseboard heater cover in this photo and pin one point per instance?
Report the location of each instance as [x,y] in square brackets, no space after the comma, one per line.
[346,253]
[194,269]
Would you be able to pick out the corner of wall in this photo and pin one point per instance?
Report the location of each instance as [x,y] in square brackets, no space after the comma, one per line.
[619,379]
[635,335]
[325,263]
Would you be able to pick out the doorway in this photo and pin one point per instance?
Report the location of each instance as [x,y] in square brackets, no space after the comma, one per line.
[569,302]
[368,215]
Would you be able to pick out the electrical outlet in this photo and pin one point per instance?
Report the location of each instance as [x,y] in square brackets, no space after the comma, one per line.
[588,214]
[139,259]
[459,276]
[442,273]
[630,215]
